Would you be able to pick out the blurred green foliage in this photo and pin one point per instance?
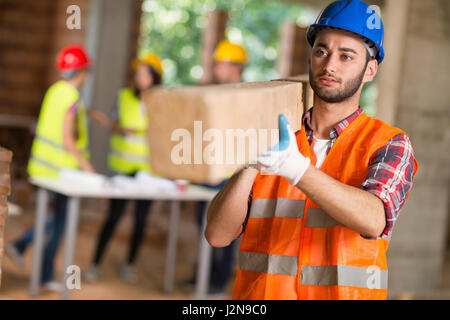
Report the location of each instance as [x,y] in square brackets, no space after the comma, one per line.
[173,29]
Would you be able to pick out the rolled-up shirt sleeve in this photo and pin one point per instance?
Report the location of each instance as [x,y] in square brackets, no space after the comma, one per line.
[390,178]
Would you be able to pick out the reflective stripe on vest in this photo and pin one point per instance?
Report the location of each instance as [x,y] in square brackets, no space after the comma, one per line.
[370,278]
[268,263]
[292,249]
[47,164]
[138,139]
[129,153]
[350,276]
[282,208]
[48,152]
[57,150]
[56,145]
[129,157]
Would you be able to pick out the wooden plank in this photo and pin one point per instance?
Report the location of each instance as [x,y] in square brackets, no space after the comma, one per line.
[293,50]
[134,36]
[20,97]
[19,58]
[20,110]
[24,39]
[213,34]
[17,121]
[5,187]
[14,18]
[41,6]
[22,77]
[64,38]
[389,77]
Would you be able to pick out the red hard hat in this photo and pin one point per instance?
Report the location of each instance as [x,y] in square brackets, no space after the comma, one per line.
[72,57]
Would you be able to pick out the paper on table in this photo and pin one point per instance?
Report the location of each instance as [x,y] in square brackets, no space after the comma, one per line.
[82,178]
[142,182]
[161,184]
[122,183]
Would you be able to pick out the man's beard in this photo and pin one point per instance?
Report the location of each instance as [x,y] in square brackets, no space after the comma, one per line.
[337,95]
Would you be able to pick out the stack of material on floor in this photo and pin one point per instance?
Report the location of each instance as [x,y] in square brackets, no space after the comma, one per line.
[5,187]
[204,133]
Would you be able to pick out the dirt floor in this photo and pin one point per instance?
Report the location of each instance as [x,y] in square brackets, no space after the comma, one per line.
[150,262]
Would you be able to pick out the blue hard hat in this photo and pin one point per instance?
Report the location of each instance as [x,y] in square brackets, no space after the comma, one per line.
[355,16]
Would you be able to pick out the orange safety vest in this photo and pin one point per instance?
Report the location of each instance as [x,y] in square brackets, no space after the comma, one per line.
[291,249]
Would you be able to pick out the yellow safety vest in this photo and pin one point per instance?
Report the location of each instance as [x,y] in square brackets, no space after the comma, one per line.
[48,154]
[130,153]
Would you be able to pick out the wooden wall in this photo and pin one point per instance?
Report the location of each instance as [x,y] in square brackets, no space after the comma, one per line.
[25,42]
[31,34]
[135,36]
[213,34]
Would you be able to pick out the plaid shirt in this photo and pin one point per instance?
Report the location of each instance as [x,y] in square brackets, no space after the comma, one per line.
[390,172]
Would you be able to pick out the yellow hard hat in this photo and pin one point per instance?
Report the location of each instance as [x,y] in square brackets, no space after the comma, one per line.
[227,51]
[152,60]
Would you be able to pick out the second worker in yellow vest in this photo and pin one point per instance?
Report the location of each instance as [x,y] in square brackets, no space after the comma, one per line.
[128,155]
[61,142]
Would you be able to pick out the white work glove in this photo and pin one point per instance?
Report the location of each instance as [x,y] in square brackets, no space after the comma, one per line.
[284,159]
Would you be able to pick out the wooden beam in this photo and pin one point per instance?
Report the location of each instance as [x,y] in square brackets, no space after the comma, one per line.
[293,50]
[12,121]
[213,34]
[395,22]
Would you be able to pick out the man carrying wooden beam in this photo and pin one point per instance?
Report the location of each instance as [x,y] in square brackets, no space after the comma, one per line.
[316,212]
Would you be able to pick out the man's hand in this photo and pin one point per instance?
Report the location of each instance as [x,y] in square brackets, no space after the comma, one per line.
[126,131]
[87,166]
[70,142]
[99,118]
[284,159]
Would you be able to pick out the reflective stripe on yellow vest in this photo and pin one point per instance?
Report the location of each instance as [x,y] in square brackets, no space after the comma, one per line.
[48,154]
[129,153]
[291,249]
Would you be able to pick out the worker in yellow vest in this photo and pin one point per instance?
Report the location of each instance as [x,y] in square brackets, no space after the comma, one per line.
[61,142]
[316,212]
[229,63]
[128,155]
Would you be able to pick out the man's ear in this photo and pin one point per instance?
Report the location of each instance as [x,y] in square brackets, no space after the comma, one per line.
[371,70]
